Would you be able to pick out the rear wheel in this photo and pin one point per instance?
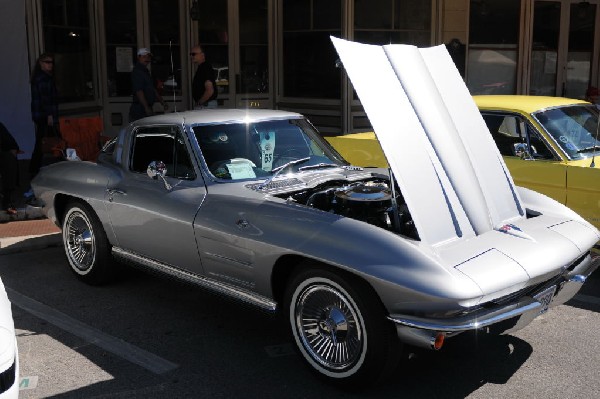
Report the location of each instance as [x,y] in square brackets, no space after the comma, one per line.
[339,327]
[86,245]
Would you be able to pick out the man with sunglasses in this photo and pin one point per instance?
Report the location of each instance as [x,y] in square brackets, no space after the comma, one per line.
[204,87]
[44,107]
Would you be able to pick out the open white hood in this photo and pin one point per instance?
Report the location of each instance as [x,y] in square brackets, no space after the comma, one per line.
[449,170]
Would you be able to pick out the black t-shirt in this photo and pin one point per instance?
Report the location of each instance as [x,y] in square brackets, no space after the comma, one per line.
[203,73]
[142,80]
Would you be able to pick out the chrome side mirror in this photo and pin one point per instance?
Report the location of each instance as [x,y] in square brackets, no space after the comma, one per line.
[158,169]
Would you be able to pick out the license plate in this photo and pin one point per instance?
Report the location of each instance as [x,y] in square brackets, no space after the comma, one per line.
[545,298]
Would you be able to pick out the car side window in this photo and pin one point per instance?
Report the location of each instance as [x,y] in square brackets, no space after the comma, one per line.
[161,143]
[505,132]
[515,137]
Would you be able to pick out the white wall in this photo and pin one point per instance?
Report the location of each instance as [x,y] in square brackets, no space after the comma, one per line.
[15,95]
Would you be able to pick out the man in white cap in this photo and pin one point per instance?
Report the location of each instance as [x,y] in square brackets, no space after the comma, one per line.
[143,88]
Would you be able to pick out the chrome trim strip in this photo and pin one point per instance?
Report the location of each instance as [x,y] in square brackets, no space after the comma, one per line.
[578,278]
[216,286]
[471,321]
[228,259]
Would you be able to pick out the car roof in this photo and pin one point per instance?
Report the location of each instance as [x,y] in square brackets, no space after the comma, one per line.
[527,104]
[220,115]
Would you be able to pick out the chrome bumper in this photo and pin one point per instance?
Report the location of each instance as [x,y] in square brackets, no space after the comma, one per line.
[421,331]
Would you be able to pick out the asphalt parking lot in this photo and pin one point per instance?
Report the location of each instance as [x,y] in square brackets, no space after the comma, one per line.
[146,336]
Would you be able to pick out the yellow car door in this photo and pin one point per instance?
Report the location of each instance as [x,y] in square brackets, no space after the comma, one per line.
[583,185]
[546,177]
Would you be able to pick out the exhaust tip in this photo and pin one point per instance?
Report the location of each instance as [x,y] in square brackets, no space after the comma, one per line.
[439,341]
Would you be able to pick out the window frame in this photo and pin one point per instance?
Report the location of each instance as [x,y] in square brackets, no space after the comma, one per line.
[173,131]
[37,45]
[525,136]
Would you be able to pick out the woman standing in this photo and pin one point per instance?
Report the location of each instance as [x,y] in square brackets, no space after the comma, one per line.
[44,107]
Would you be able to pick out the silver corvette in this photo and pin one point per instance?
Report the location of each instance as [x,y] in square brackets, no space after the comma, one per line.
[255,205]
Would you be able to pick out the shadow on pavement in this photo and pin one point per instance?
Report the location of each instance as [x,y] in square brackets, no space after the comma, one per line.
[218,345]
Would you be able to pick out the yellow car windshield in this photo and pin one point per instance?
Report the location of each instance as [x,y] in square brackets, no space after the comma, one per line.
[574,128]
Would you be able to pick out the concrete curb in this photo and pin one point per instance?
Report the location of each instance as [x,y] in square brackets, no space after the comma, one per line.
[11,245]
[27,213]
[22,243]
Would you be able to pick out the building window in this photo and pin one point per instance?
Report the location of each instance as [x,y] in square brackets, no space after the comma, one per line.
[309,58]
[214,38]
[390,22]
[493,47]
[121,45]
[544,53]
[165,45]
[66,26]
[393,21]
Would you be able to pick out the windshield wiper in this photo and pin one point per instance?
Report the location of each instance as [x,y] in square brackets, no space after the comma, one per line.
[330,165]
[278,169]
[320,165]
[589,149]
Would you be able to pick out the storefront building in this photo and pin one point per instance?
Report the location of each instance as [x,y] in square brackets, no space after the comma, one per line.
[277,53]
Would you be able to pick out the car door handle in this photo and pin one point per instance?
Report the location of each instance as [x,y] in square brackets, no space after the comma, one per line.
[112,191]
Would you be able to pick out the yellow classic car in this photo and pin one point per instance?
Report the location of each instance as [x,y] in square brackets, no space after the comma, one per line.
[549,144]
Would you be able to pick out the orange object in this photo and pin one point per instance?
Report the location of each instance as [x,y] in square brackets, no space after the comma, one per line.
[84,135]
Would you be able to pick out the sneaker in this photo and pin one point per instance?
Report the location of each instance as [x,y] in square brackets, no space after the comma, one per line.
[32,201]
[11,211]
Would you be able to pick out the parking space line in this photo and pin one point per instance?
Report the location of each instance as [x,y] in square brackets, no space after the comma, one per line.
[118,347]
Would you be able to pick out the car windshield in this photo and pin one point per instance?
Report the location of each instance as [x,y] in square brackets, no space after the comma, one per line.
[238,151]
[574,128]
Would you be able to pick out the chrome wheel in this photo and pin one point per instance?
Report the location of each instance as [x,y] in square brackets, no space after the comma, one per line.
[86,245]
[328,327]
[79,241]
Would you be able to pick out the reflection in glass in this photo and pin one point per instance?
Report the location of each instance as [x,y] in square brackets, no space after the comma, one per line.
[385,22]
[309,58]
[392,22]
[238,151]
[370,14]
[254,50]
[544,55]
[121,47]
[164,43]
[581,46]
[493,46]
[214,38]
[67,34]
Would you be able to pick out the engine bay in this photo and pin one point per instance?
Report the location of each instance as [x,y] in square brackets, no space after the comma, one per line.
[371,201]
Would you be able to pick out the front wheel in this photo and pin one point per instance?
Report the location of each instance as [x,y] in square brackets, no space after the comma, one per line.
[86,245]
[339,327]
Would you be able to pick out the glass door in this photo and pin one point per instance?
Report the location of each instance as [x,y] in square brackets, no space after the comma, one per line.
[127,26]
[235,36]
[251,58]
[580,49]
[562,48]
[544,52]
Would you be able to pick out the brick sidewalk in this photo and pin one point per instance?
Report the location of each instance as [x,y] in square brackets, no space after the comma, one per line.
[22,228]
